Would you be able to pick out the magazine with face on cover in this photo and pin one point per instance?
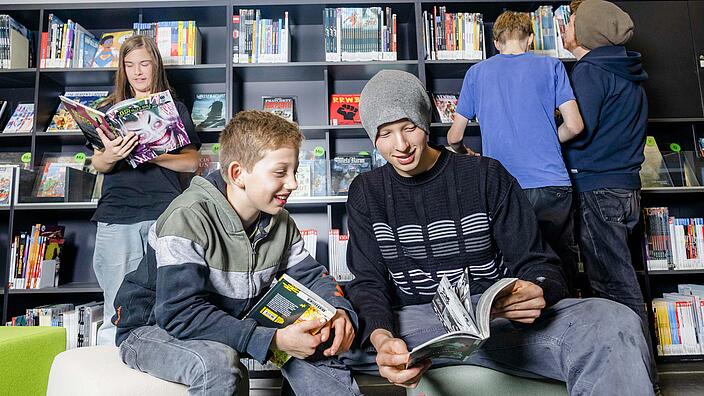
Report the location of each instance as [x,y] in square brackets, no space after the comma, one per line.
[288,302]
[467,328]
[154,119]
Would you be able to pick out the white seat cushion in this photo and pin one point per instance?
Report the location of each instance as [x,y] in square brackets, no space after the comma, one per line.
[99,371]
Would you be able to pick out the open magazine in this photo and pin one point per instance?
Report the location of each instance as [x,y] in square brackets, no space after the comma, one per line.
[153,118]
[466,328]
[288,302]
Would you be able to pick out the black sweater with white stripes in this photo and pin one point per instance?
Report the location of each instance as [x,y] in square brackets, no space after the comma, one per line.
[407,233]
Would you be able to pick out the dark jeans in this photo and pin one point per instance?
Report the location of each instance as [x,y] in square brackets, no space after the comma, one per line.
[553,208]
[607,218]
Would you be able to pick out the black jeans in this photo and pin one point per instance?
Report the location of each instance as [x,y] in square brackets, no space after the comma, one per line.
[553,208]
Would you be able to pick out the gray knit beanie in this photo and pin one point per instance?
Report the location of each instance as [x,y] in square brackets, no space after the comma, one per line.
[599,23]
[392,95]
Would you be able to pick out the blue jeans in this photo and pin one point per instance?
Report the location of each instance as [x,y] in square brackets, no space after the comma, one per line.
[118,250]
[594,345]
[553,209]
[213,368]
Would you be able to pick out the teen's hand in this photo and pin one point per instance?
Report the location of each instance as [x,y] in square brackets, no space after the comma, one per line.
[344,333]
[296,339]
[391,357]
[118,148]
[523,304]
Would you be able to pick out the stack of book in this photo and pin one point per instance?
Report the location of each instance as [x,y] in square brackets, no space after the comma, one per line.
[81,322]
[360,34]
[15,44]
[35,257]
[679,321]
[311,174]
[179,42]
[337,256]
[67,45]
[453,35]
[310,241]
[260,40]
[673,243]
[549,30]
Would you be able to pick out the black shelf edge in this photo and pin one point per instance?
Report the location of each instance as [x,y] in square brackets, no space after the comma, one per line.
[112,69]
[676,272]
[56,205]
[67,288]
[671,190]
[22,70]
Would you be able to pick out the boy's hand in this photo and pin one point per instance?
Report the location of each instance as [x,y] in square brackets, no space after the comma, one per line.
[524,304]
[296,339]
[344,333]
[118,148]
[391,357]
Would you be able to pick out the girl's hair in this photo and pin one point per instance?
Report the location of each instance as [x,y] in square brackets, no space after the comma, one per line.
[123,90]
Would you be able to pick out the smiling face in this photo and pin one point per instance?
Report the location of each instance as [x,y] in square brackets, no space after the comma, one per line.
[405,146]
[151,129]
[139,68]
[271,180]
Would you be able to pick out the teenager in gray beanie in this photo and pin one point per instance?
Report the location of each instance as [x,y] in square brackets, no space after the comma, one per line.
[394,86]
[430,213]
[605,160]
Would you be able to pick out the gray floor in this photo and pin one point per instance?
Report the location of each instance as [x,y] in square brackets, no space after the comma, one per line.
[676,379]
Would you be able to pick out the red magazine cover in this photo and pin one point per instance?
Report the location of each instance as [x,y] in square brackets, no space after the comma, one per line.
[344,109]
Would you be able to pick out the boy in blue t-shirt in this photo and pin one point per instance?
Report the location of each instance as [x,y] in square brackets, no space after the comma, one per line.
[514,96]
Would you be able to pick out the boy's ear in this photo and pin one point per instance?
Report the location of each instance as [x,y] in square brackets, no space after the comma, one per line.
[531,37]
[234,171]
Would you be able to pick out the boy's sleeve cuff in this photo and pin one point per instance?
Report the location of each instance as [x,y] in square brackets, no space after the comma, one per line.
[259,343]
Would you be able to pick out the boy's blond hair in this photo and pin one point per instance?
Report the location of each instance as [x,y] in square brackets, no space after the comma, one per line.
[512,25]
[251,134]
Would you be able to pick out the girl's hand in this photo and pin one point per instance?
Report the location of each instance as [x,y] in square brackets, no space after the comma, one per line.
[118,148]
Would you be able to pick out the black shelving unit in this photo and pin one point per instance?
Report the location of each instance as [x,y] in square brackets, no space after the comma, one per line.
[671,57]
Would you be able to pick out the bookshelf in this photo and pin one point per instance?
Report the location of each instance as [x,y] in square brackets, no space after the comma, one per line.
[671,58]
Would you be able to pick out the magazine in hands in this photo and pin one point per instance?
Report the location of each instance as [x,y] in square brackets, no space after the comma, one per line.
[466,328]
[288,302]
[153,118]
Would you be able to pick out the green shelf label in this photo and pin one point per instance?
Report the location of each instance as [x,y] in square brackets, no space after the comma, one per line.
[216,148]
[650,141]
[364,153]
[319,151]
[26,158]
[675,147]
[79,157]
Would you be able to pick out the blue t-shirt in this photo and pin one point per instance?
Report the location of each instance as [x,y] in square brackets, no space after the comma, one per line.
[514,98]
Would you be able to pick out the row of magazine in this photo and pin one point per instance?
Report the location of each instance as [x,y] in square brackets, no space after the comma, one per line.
[35,257]
[679,321]
[360,34]
[80,321]
[70,45]
[260,40]
[673,243]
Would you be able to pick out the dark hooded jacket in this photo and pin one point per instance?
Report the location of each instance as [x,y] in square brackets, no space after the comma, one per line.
[607,83]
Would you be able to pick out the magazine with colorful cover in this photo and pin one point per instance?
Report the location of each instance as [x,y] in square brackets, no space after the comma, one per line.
[63,121]
[466,327]
[108,53]
[445,105]
[316,161]
[6,172]
[51,183]
[288,302]
[22,120]
[282,106]
[345,167]
[209,159]
[209,111]
[153,118]
[344,109]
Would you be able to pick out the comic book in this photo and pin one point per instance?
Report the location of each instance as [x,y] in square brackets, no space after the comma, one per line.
[314,159]
[344,109]
[288,302]
[108,53]
[209,111]
[22,120]
[209,159]
[6,172]
[62,120]
[345,167]
[445,105]
[282,106]
[467,328]
[154,118]
[51,183]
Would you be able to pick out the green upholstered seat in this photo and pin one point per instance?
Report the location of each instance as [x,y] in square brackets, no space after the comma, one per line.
[26,354]
[475,380]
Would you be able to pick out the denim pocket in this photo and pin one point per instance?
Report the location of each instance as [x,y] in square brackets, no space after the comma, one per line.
[614,204]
